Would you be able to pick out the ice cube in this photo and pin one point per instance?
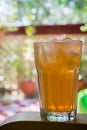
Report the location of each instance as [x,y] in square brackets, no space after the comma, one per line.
[62,38]
[73,48]
[49,53]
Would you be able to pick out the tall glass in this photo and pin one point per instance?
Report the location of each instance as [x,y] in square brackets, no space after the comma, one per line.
[57,64]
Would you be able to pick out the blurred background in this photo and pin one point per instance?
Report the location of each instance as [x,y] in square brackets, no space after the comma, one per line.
[21,23]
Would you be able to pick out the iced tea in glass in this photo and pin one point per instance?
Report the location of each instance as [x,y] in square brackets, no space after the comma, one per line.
[57,64]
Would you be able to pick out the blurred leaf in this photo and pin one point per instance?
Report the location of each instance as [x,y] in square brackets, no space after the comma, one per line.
[83,28]
[30,30]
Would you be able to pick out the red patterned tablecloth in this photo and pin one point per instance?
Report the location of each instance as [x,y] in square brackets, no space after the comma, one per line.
[7,110]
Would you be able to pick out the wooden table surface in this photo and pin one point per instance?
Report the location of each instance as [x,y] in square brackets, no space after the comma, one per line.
[32,121]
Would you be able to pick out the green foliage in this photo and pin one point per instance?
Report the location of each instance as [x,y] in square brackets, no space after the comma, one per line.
[30,30]
[84,28]
[27,12]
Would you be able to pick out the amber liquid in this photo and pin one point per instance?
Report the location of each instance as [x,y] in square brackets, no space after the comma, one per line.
[57,78]
[58,91]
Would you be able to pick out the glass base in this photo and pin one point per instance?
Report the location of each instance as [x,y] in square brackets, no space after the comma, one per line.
[58,116]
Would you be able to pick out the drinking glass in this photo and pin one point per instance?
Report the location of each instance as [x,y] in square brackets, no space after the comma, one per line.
[57,64]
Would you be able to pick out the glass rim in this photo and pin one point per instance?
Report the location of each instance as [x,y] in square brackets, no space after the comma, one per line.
[42,41]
